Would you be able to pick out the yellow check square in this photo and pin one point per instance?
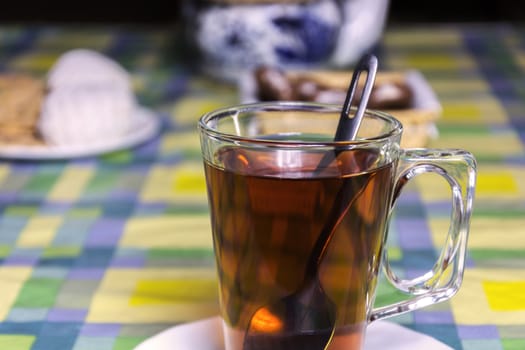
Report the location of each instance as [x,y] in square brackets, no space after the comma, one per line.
[155,295]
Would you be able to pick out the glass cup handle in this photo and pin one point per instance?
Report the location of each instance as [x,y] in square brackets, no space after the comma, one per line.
[458,167]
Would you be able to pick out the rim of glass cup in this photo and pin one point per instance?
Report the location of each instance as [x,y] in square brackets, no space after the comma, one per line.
[204,121]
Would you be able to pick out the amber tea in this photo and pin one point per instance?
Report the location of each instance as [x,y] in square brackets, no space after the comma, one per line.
[268,209]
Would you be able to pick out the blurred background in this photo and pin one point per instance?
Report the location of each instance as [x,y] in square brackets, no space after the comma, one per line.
[156,12]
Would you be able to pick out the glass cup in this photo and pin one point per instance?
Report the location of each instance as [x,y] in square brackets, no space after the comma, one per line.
[299,223]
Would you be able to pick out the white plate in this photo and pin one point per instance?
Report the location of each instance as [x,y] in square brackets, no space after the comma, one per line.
[207,335]
[144,125]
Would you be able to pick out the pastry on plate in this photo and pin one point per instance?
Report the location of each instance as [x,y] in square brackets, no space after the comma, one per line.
[85,114]
[86,67]
[90,100]
[405,95]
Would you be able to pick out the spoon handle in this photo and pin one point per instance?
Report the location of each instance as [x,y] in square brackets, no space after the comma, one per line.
[349,124]
[346,131]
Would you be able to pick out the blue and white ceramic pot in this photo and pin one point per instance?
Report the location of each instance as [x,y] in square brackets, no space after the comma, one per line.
[243,34]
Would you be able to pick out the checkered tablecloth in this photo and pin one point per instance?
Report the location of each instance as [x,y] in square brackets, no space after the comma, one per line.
[103,252]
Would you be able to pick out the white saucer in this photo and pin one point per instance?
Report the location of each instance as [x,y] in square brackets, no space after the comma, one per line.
[144,125]
[207,335]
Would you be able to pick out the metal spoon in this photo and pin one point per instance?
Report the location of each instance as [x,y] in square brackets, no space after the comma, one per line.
[308,315]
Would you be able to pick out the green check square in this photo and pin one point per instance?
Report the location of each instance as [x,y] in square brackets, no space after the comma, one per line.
[16,342]
[38,292]
[127,343]
[513,344]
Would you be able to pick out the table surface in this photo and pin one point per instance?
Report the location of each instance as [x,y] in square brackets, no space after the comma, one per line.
[103,252]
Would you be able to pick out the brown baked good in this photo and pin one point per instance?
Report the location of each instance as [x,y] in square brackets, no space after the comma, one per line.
[273,84]
[20,102]
[24,137]
[328,87]
[392,93]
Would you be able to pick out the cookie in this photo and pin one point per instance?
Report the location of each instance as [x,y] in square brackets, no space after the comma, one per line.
[390,91]
[22,137]
[20,102]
